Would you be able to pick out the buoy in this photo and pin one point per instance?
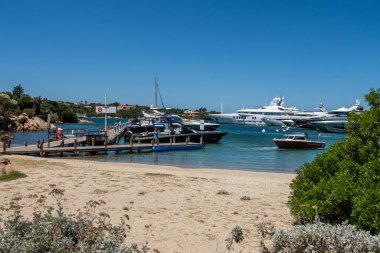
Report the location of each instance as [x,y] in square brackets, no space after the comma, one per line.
[277,130]
[263,131]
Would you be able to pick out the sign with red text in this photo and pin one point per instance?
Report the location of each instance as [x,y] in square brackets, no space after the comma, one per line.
[102,109]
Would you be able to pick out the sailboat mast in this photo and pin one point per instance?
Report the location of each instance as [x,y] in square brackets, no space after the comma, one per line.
[155,92]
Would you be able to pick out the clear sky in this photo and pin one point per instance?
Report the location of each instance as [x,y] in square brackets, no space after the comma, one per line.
[241,53]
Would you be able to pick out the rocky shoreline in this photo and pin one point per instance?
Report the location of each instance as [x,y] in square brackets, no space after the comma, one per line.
[22,123]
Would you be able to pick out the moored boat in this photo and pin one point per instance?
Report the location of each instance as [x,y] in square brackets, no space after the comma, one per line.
[300,141]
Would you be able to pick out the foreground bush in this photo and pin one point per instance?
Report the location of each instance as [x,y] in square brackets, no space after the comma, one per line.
[87,232]
[343,184]
[320,237]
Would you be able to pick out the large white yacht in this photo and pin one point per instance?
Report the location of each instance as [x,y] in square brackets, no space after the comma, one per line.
[335,121]
[225,118]
[290,120]
[274,109]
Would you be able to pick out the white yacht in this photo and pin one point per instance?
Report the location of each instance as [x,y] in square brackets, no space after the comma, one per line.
[225,118]
[335,121]
[255,116]
[289,120]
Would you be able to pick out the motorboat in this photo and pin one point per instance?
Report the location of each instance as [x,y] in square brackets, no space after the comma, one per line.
[170,126]
[198,125]
[298,141]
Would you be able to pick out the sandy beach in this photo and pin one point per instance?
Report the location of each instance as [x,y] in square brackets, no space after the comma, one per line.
[174,209]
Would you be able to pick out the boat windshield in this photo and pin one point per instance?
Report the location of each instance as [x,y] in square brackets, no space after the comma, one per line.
[295,137]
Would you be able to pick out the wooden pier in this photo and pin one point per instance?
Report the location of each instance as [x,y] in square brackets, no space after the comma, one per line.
[71,146]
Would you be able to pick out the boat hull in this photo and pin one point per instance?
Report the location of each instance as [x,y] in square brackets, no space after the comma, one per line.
[207,137]
[298,144]
[177,147]
[338,126]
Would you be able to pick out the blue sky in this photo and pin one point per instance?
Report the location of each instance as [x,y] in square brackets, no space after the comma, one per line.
[241,53]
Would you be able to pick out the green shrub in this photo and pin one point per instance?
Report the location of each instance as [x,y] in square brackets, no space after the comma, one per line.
[223,192]
[56,232]
[245,198]
[343,183]
[320,237]
[12,176]
[30,112]
[22,120]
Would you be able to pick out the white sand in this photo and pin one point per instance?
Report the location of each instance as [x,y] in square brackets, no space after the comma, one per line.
[174,209]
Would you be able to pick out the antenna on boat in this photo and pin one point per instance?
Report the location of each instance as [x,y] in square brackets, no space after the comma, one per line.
[221,108]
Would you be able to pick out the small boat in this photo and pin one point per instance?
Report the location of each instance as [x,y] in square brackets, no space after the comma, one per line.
[298,141]
[178,147]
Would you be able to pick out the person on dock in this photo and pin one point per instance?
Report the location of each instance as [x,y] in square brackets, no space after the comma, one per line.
[155,136]
[59,134]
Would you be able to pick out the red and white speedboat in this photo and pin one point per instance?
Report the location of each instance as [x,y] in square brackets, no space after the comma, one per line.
[297,141]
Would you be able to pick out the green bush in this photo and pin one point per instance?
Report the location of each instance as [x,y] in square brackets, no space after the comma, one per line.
[343,183]
[30,112]
[22,120]
[223,192]
[56,232]
[245,198]
[320,237]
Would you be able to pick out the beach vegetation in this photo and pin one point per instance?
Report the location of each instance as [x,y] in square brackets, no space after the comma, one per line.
[317,237]
[245,198]
[52,230]
[12,176]
[236,236]
[223,192]
[343,184]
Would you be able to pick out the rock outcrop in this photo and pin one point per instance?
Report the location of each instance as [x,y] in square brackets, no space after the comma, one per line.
[23,123]
[83,121]
[5,166]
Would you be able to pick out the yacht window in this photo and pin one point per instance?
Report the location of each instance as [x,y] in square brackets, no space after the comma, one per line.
[299,138]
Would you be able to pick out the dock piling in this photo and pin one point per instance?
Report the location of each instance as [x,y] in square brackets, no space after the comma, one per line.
[42,147]
[131,143]
[75,146]
[4,147]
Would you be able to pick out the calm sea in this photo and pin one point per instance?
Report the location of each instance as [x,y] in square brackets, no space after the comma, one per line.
[244,148]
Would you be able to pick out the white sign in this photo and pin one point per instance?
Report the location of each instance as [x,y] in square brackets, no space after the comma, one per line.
[102,109]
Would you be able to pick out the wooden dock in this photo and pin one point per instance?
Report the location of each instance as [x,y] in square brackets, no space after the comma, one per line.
[70,146]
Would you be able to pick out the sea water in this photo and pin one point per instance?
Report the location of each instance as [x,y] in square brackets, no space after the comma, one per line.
[244,148]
